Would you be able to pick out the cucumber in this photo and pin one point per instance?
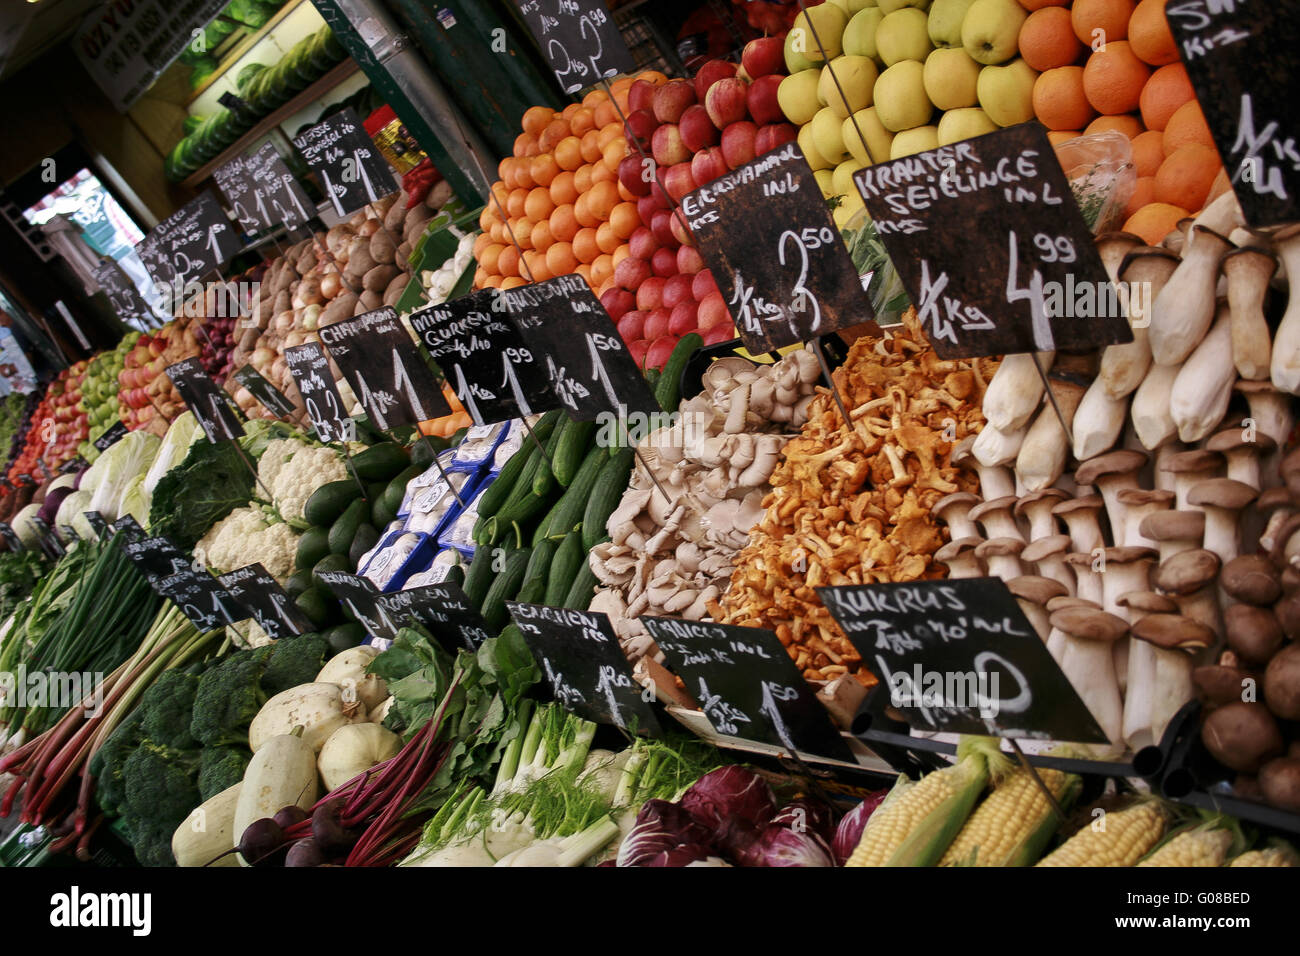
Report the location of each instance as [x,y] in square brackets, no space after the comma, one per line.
[312,546]
[479,576]
[668,390]
[382,461]
[605,496]
[342,637]
[572,448]
[496,494]
[315,605]
[345,528]
[329,501]
[331,562]
[533,589]
[504,588]
[564,568]
[584,586]
[366,538]
[544,477]
[298,582]
[568,511]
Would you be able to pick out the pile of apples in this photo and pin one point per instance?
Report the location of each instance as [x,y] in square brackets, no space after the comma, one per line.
[691,131]
[768,16]
[57,426]
[99,391]
[149,400]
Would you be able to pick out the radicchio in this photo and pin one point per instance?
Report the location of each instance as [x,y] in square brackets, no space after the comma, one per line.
[664,835]
[784,846]
[849,833]
[808,814]
[730,795]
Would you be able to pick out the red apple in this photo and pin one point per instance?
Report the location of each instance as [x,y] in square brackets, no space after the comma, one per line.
[662,226]
[681,232]
[642,243]
[677,290]
[763,56]
[638,350]
[773,135]
[630,326]
[664,263]
[646,207]
[640,128]
[660,197]
[713,311]
[656,323]
[631,272]
[672,99]
[718,334]
[708,165]
[738,143]
[710,73]
[761,101]
[667,145]
[678,181]
[689,261]
[703,285]
[660,350]
[697,129]
[630,174]
[726,102]
[640,95]
[618,302]
[650,295]
[683,318]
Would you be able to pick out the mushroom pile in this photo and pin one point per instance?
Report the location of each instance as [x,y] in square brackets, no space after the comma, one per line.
[854,505]
[672,545]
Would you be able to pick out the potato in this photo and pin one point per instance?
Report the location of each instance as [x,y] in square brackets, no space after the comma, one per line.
[342,306]
[1242,736]
[369,228]
[377,279]
[283,301]
[415,224]
[305,262]
[438,195]
[396,288]
[396,212]
[338,236]
[360,261]
[1282,683]
[381,206]
[382,248]
[1279,780]
[403,255]
[369,301]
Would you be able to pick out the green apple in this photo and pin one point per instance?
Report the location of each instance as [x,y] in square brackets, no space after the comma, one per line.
[950,78]
[900,98]
[990,31]
[902,35]
[795,62]
[815,159]
[848,208]
[1006,93]
[917,140]
[860,35]
[818,30]
[956,125]
[853,6]
[865,138]
[842,178]
[945,22]
[827,135]
[797,96]
[856,79]
[889,6]
[825,182]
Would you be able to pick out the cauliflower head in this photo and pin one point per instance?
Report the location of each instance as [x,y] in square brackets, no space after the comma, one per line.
[292,469]
[246,536]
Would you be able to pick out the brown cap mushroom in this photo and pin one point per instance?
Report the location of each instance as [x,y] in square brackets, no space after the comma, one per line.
[1147,602]
[1189,468]
[1173,531]
[1187,572]
[1114,248]
[1087,579]
[1219,684]
[1173,632]
[954,510]
[1112,473]
[1269,408]
[1276,503]
[1243,455]
[1138,503]
[959,556]
[1057,603]
[1032,594]
[1047,556]
[1089,624]
[1252,579]
[1080,516]
[1222,500]
[1036,508]
[996,518]
[1253,633]
[1002,557]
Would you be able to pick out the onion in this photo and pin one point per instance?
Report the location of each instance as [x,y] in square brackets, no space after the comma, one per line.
[330,284]
[369,227]
[310,320]
[294,338]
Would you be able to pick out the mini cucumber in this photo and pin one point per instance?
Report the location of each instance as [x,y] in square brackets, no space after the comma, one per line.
[504,588]
[605,496]
[479,576]
[584,586]
[570,451]
[668,390]
[564,568]
[567,513]
[533,589]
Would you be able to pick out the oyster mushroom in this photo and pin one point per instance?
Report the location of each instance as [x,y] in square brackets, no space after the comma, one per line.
[1032,594]
[1285,365]
[1138,504]
[954,510]
[1002,556]
[1153,422]
[1190,468]
[997,518]
[1222,500]
[1203,388]
[996,480]
[1036,508]
[1173,531]
[1142,275]
[1112,473]
[959,556]
[1080,517]
[1183,312]
[1243,453]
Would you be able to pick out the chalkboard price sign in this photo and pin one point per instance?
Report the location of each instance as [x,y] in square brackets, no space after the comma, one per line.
[1242,61]
[392,381]
[1037,283]
[72,466]
[579,39]
[959,656]
[361,598]
[112,435]
[123,297]
[589,675]
[156,557]
[200,597]
[10,538]
[97,523]
[339,150]
[210,405]
[261,596]
[747,685]
[310,368]
[495,375]
[785,273]
[444,609]
[569,333]
[194,240]
[272,398]
[262,192]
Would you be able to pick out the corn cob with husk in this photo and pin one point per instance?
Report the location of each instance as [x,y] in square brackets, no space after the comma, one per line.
[1012,826]
[917,822]
[1279,854]
[1119,838]
[1204,845]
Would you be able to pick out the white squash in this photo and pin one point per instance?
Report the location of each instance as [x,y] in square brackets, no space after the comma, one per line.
[379,713]
[319,708]
[348,670]
[355,749]
[282,773]
[208,831]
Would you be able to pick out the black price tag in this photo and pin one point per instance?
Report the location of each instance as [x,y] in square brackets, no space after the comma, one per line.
[10,538]
[259,594]
[97,523]
[443,609]
[959,656]
[262,192]
[341,152]
[200,597]
[112,435]
[765,231]
[361,598]
[210,405]
[236,104]
[123,297]
[495,375]
[579,39]
[73,465]
[49,541]
[391,379]
[747,685]
[156,557]
[192,241]
[1241,59]
[569,334]
[589,675]
[271,397]
[1037,283]
[310,368]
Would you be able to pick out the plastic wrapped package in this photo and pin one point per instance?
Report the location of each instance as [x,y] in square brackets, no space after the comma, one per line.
[479,444]
[398,557]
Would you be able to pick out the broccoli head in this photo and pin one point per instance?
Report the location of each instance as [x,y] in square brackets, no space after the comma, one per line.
[294,661]
[161,783]
[167,708]
[220,768]
[152,840]
[108,764]
[229,697]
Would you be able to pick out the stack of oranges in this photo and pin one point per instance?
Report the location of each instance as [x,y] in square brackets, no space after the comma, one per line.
[559,208]
[1113,65]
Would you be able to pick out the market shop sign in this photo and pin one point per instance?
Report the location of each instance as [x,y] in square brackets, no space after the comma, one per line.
[391,379]
[766,233]
[112,435]
[992,248]
[210,405]
[1241,59]
[191,242]
[959,656]
[262,598]
[262,192]
[123,297]
[580,40]
[444,609]
[747,685]
[569,333]
[341,152]
[310,368]
[272,399]
[481,353]
[361,598]
[588,672]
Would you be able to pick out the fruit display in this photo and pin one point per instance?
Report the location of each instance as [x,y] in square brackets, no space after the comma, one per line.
[100,396]
[55,429]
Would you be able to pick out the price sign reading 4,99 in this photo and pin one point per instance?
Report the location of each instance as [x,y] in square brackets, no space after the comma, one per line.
[351,169]
[1037,283]
[580,40]
[262,597]
[262,192]
[123,297]
[310,368]
[569,334]
[200,597]
[786,275]
[392,381]
[210,405]
[484,358]
[192,241]
[271,397]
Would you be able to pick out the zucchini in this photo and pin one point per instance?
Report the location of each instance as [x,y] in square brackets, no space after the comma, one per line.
[668,390]
[605,496]
[479,576]
[367,537]
[572,448]
[331,562]
[533,589]
[568,511]
[312,546]
[424,451]
[504,588]
[382,461]
[584,586]
[395,490]
[345,528]
[329,501]
[564,568]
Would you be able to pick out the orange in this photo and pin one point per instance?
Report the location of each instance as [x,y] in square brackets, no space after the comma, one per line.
[539,205]
[500,192]
[1148,31]
[595,98]
[498,233]
[492,282]
[585,245]
[622,83]
[481,242]
[591,146]
[1185,177]
[1187,125]
[653,77]
[487,259]
[564,224]
[582,212]
[1114,79]
[522,142]
[600,173]
[606,238]
[1144,192]
[1148,152]
[1059,101]
[480,278]
[487,217]
[1168,89]
[583,121]
[610,132]
[1154,221]
[568,152]
[624,218]
[601,287]
[534,263]
[567,113]
[556,130]
[506,170]
[560,259]
[523,232]
[562,188]
[1047,40]
[1125,123]
[602,270]
[1058,136]
[524,173]
[1098,22]
[584,270]
[512,282]
[582,179]
[541,235]
[1040,4]
[508,261]
[621,253]
[601,200]
[535,118]
[605,113]
[543,169]
[516,205]
[614,152]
